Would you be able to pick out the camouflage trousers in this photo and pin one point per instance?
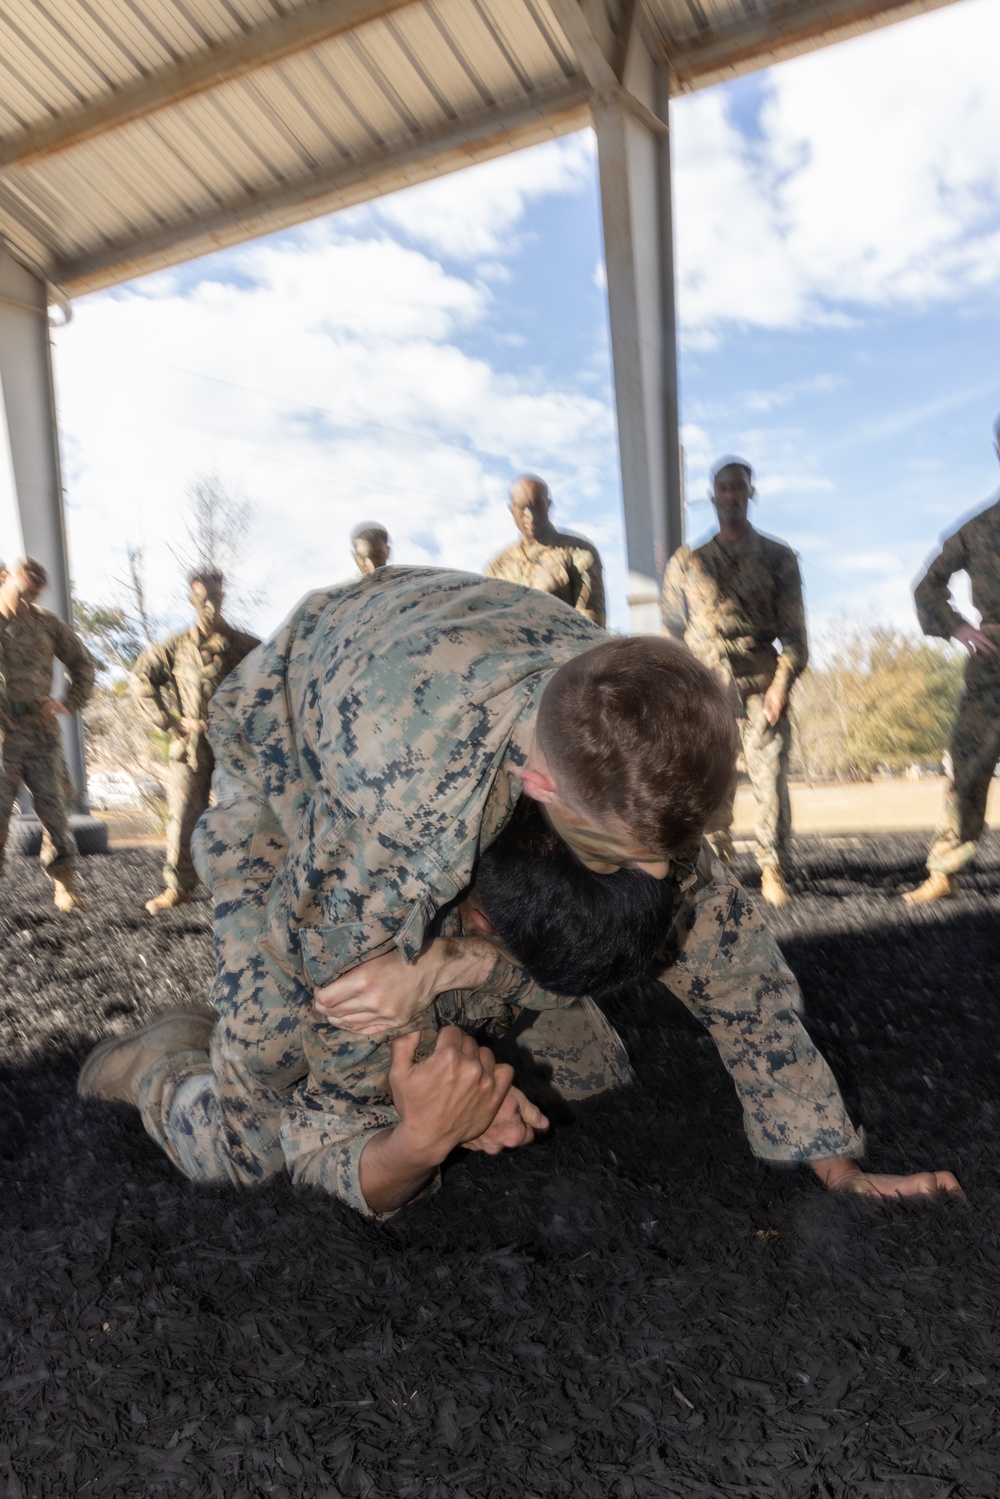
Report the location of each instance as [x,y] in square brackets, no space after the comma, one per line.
[282,1089]
[975,749]
[765,754]
[32,752]
[188,789]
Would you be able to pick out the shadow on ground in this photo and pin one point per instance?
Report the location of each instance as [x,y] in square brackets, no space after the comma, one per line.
[633,1308]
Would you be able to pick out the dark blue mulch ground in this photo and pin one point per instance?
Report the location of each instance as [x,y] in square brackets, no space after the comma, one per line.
[633,1308]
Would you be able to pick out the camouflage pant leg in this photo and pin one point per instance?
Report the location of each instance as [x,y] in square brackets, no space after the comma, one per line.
[576,1050]
[218,1116]
[765,753]
[975,748]
[187,797]
[34,755]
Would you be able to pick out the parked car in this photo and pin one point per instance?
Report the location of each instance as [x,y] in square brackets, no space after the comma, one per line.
[107,789]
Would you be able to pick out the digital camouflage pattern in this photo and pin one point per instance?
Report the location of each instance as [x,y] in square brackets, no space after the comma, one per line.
[766,748]
[174,680]
[568,568]
[729,602]
[363,756]
[975,743]
[30,745]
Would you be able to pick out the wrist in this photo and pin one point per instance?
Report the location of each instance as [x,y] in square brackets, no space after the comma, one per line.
[833,1171]
[417,1150]
[464,963]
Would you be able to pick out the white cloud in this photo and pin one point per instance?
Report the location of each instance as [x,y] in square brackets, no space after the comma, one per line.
[880,192]
[329,376]
[476,216]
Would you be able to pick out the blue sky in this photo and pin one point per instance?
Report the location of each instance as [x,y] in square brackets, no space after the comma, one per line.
[838,226]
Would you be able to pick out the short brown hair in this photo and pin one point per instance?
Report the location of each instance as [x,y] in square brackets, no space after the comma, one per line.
[32,571]
[638,730]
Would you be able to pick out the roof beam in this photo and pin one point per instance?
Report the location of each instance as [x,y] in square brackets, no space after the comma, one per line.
[797,27]
[269,43]
[488,133]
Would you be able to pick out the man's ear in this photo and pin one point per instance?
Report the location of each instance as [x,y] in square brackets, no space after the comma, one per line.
[538,785]
[753,492]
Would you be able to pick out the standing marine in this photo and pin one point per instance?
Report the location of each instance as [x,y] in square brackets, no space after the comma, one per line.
[568,567]
[174,682]
[975,741]
[371,547]
[729,601]
[31,641]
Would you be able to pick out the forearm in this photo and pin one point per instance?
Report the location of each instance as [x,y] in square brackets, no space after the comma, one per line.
[392,1170]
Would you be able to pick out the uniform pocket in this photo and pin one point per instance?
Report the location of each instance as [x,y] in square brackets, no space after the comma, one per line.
[329,951]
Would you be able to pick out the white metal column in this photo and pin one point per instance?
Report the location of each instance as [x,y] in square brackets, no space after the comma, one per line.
[634,161]
[31,505]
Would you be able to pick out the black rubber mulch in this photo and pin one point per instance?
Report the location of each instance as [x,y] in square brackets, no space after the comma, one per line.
[633,1308]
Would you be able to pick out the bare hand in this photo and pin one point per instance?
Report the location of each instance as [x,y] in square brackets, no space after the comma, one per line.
[52,709]
[452,1096]
[976,642]
[847,1176]
[515,1124]
[385,993]
[775,703]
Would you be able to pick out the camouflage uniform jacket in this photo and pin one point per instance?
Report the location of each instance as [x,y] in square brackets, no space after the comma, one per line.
[30,644]
[178,678]
[730,601]
[568,567]
[974,548]
[364,755]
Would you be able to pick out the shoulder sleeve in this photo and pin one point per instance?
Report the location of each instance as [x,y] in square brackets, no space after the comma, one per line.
[590,599]
[726,968]
[673,604]
[791,619]
[79,664]
[150,684]
[931,594]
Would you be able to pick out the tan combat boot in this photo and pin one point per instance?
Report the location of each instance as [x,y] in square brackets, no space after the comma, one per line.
[773,887]
[116,1067]
[167,899]
[66,896]
[937,886]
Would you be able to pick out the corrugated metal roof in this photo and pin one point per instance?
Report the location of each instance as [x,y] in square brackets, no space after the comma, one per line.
[136,133]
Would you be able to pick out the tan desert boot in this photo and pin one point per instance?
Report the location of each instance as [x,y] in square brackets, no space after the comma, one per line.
[773,888]
[937,886]
[116,1067]
[66,896]
[167,899]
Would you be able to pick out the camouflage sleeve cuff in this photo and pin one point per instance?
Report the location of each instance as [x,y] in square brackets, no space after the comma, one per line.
[510,984]
[336,1170]
[785,673]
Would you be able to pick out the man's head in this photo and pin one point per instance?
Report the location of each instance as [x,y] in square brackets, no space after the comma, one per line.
[207,590]
[371,546]
[575,932]
[530,503]
[732,490]
[635,743]
[22,582]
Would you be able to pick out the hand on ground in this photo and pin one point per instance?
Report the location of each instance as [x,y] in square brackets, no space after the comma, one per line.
[516,1123]
[920,1184]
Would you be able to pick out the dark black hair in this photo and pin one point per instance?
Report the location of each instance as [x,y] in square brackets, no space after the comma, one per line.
[574,931]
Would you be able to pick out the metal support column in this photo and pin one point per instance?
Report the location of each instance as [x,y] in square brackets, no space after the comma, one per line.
[634,162]
[31,506]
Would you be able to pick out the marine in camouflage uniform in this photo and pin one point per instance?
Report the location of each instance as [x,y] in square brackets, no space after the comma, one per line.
[975,742]
[174,683]
[729,600]
[364,754]
[31,641]
[567,567]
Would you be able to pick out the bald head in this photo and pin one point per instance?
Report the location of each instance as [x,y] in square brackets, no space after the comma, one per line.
[530,503]
[371,546]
